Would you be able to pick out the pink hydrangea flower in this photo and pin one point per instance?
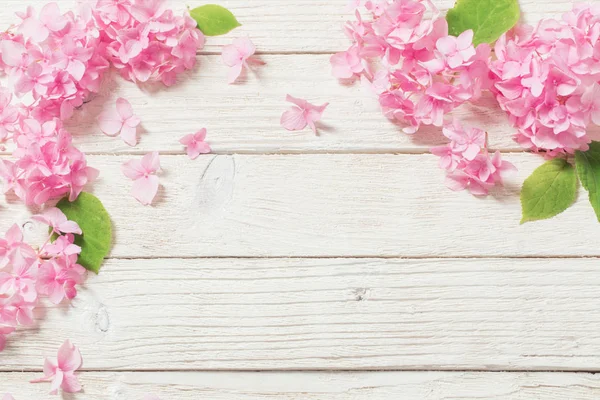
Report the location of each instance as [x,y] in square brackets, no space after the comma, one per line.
[423,72]
[302,114]
[145,185]
[62,371]
[195,144]
[238,56]
[467,161]
[121,121]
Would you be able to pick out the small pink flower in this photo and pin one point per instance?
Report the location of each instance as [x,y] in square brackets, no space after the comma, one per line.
[302,114]
[145,185]
[122,121]
[347,64]
[457,50]
[57,220]
[195,144]
[50,20]
[239,55]
[62,372]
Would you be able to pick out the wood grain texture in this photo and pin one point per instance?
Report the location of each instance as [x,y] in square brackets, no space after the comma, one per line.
[325,206]
[320,386]
[281,314]
[293,26]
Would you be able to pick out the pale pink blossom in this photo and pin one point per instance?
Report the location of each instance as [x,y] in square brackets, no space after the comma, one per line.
[39,28]
[22,280]
[62,371]
[57,279]
[120,120]
[302,114]
[143,173]
[57,220]
[347,64]
[195,144]
[239,55]
[457,50]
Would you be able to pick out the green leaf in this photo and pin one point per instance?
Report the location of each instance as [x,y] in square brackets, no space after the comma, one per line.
[95,224]
[588,168]
[488,19]
[550,190]
[214,20]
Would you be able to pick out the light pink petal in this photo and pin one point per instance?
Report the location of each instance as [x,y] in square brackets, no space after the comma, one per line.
[457,182]
[70,227]
[294,119]
[299,102]
[34,29]
[133,169]
[12,52]
[465,39]
[51,16]
[69,357]
[124,108]
[231,56]
[129,135]
[200,135]
[144,189]
[151,162]
[340,67]
[446,45]
[187,139]
[71,384]
[234,73]
[110,122]
[245,46]
[56,382]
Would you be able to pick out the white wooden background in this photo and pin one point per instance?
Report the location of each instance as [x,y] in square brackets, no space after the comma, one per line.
[289,266]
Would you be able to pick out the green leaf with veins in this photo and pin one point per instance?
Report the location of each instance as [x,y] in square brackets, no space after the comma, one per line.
[214,20]
[550,190]
[488,19]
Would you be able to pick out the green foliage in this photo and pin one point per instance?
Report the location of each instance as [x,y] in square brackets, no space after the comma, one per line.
[214,20]
[588,169]
[550,190]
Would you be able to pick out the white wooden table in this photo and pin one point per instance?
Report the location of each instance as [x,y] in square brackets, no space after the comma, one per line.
[290,266]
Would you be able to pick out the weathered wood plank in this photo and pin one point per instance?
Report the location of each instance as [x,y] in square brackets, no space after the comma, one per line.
[250,314]
[292,25]
[320,386]
[326,206]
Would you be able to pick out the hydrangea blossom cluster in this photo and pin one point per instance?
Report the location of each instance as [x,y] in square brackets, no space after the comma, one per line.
[54,61]
[468,162]
[422,73]
[547,79]
[28,274]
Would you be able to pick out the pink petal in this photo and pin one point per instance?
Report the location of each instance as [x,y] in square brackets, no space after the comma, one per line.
[129,135]
[299,102]
[12,52]
[69,357]
[234,73]
[56,382]
[457,182]
[71,384]
[124,109]
[294,119]
[110,122]
[231,56]
[446,45]
[187,139]
[245,46]
[144,189]
[151,162]
[70,227]
[133,169]
[465,39]
[51,16]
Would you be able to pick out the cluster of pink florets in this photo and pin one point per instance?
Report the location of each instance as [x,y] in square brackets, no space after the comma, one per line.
[547,80]
[146,41]
[55,61]
[28,274]
[468,162]
[423,73]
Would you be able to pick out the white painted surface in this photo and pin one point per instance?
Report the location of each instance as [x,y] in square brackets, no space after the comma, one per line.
[164,303]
